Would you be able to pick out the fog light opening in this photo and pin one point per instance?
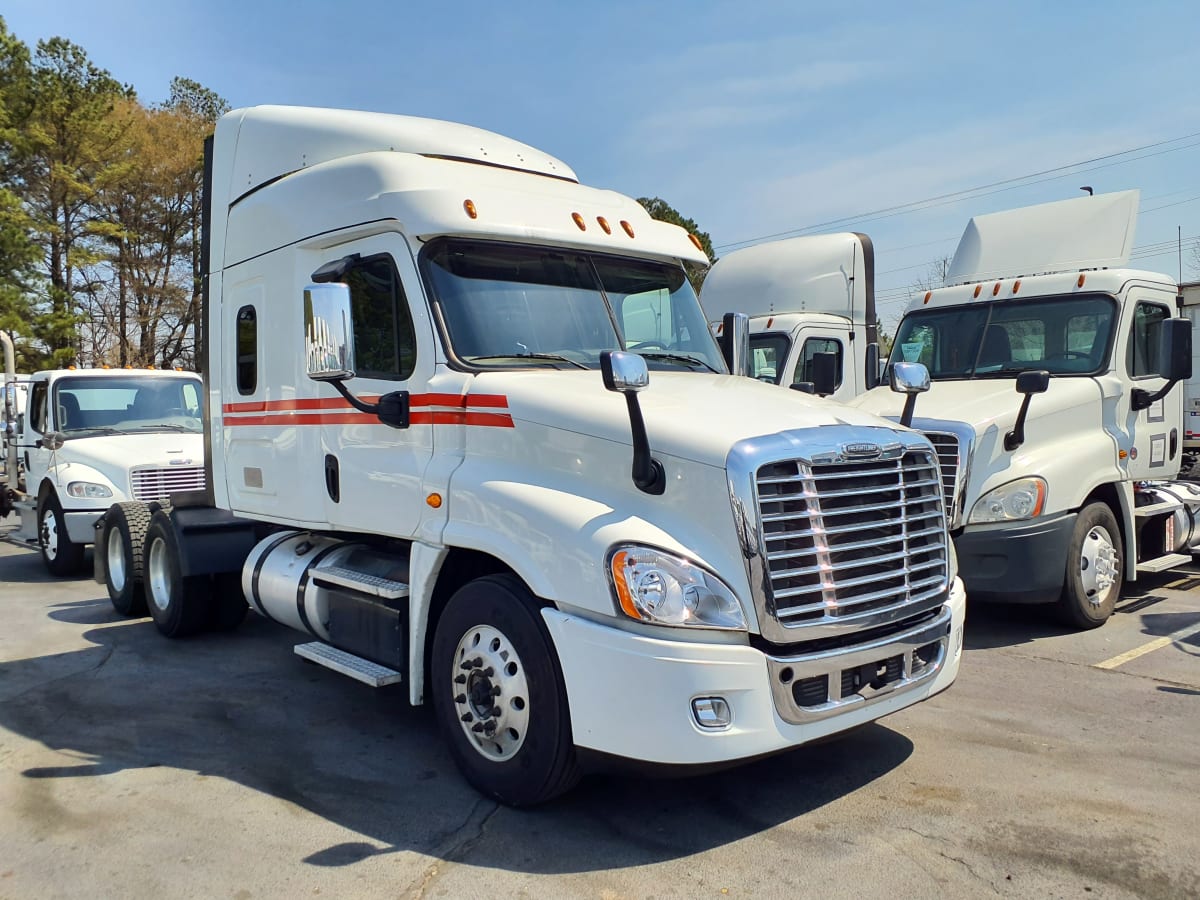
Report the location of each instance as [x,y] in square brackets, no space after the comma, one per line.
[711,712]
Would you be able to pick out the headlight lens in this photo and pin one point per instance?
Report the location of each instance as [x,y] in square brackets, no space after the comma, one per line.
[654,586]
[88,489]
[1020,499]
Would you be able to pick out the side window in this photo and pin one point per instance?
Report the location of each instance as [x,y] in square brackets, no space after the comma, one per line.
[768,353]
[247,350]
[37,407]
[813,346]
[385,344]
[1142,354]
[191,399]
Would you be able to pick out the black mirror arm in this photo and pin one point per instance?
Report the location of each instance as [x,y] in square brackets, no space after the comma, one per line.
[392,408]
[648,473]
[1016,437]
[910,404]
[1142,399]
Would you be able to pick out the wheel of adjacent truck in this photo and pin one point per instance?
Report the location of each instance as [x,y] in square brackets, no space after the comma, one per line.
[498,693]
[61,555]
[125,541]
[1094,568]
[179,605]
[229,606]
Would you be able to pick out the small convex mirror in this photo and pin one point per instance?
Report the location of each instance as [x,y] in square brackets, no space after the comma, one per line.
[328,332]
[909,378]
[624,372]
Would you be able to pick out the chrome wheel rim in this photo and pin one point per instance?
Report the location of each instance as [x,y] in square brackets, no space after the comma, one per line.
[158,575]
[49,534]
[491,693]
[115,559]
[1099,565]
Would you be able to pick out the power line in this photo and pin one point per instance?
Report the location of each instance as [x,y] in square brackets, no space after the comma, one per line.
[982,190]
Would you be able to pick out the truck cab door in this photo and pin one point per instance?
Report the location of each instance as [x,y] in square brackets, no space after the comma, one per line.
[36,422]
[1155,434]
[809,340]
[373,474]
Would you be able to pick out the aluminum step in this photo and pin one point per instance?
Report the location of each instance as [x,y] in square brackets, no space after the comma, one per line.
[1163,563]
[356,667]
[383,588]
[1154,509]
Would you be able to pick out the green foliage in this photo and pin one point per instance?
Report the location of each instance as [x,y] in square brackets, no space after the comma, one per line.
[662,211]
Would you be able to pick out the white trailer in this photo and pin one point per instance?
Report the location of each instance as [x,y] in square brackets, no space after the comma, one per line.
[807,298]
[460,413]
[1057,402]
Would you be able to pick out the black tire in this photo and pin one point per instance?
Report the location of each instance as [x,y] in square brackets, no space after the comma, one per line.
[1095,568]
[124,543]
[61,555]
[179,606]
[517,767]
[229,606]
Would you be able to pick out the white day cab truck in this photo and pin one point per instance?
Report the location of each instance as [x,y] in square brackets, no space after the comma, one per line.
[438,452]
[1056,395]
[89,438]
[811,305]
[1189,298]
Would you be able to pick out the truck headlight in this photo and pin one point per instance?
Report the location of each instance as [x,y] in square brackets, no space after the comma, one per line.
[1020,499]
[88,489]
[654,586]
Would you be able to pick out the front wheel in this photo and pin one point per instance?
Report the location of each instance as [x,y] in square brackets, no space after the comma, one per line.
[499,696]
[178,604]
[61,555]
[1095,570]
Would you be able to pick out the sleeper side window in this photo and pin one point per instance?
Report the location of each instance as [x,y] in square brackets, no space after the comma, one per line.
[247,350]
[385,344]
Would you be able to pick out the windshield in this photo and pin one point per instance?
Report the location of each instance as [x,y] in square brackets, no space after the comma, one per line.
[1062,335]
[506,305]
[126,405]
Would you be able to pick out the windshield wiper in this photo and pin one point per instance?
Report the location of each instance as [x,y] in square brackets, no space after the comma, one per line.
[676,357]
[89,431]
[552,357]
[166,426]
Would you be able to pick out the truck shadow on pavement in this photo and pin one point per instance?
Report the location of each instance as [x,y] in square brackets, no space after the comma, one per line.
[243,707]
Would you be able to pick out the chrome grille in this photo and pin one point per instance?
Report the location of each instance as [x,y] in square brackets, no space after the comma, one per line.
[160,483]
[853,539]
[946,446]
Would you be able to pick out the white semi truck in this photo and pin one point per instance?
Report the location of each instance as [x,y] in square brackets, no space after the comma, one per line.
[811,303]
[89,438]
[469,431]
[1056,400]
[1189,299]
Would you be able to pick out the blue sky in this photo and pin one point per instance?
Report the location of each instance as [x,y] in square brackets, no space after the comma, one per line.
[753,118]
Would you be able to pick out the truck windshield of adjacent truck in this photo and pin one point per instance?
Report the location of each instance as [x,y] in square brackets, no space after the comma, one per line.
[122,405]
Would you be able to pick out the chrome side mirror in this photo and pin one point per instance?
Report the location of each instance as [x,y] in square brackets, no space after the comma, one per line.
[910,379]
[624,371]
[328,332]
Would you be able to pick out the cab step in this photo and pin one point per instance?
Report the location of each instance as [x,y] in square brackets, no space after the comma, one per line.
[356,667]
[339,576]
[1154,509]
[1163,563]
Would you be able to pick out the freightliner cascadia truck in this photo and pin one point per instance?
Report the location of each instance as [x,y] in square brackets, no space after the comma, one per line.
[468,430]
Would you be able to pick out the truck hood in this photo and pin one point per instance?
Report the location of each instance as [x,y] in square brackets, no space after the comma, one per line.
[689,415]
[984,403]
[120,452]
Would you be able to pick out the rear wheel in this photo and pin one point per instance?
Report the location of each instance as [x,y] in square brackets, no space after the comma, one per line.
[179,605]
[1095,569]
[124,543]
[61,555]
[499,696]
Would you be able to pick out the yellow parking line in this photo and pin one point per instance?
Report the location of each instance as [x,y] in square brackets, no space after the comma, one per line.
[1149,647]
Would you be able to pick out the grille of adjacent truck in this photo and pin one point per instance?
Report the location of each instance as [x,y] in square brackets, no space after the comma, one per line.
[161,483]
[853,539]
[946,446]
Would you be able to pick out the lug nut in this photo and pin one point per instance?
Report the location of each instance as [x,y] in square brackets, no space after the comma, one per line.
[495,710]
[495,690]
[488,672]
[466,717]
[460,698]
[477,727]
[460,679]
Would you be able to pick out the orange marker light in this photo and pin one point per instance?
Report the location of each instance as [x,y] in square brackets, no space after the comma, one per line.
[628,228]
[604,226]
[1079,283]
[579,221]
[978,288]
[928,294]
[696,242]
[1122,454]
[770,320]
[619,562]
[996,289]
[1016,285]
[434,501]
[469,206]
